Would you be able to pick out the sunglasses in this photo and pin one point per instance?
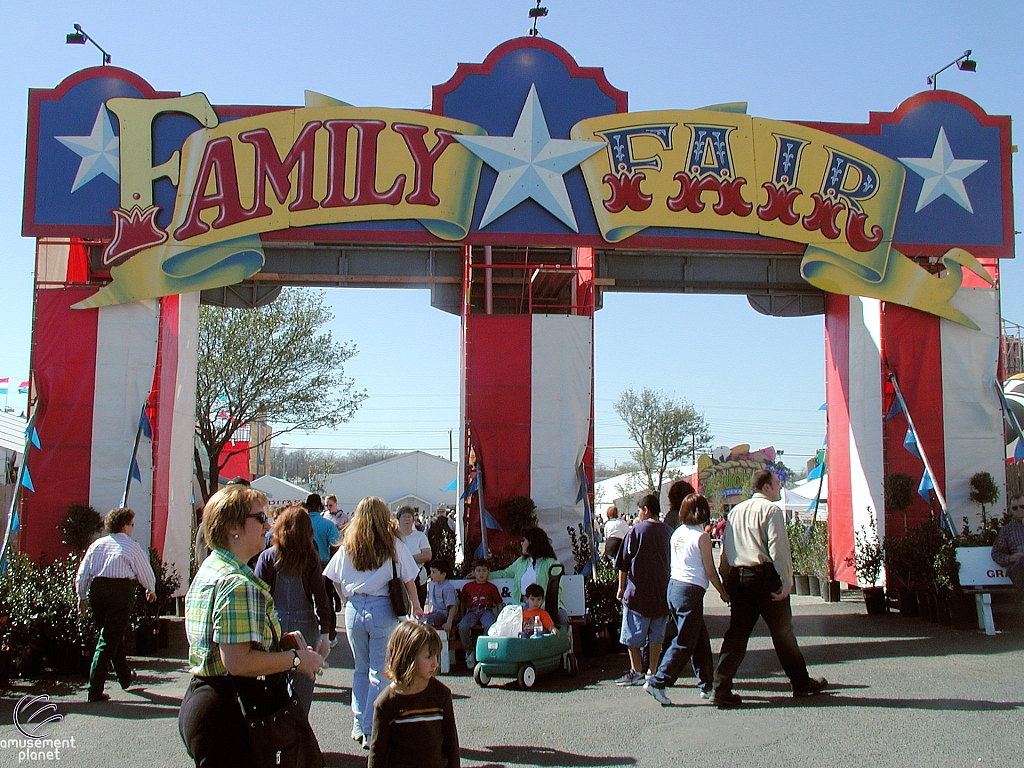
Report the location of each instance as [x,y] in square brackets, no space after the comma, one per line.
[260,518]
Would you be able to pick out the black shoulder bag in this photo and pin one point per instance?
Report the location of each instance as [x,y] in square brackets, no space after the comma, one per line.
[398,593]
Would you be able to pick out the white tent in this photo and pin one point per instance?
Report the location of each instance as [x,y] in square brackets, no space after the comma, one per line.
[280,491]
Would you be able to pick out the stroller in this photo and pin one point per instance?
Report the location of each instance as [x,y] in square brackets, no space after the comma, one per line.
[524,658]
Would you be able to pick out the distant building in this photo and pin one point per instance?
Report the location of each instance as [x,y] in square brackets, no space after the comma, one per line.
[416,478]
[280,493]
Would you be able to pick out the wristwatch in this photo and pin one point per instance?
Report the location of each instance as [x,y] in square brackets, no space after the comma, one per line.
[295,660]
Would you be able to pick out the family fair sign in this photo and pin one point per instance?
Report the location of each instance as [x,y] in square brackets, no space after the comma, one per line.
[527,148]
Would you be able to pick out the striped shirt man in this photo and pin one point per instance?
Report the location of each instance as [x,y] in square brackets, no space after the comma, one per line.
[115,556]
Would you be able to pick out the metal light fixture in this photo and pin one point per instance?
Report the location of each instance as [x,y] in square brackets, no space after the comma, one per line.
[964,63]
[537,13]
[79,37]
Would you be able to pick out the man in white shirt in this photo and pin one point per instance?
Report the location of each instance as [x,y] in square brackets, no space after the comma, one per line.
[757,571]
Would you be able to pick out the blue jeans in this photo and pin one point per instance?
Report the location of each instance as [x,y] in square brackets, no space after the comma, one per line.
[369,622]
[750,591]
[483,616]
[691,643]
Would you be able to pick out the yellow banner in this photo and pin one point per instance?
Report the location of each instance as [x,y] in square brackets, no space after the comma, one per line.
[291,168]
[705,169]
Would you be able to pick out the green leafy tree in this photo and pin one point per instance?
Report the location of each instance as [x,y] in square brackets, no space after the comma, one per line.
[275,363]
[664,430]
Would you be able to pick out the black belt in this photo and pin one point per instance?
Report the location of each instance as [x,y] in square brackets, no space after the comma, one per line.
[108,578]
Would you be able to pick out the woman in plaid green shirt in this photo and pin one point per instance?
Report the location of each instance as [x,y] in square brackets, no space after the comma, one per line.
[231,627]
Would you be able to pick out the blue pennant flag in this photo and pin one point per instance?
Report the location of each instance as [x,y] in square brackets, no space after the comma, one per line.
[1018,452]
[145,426]
[136,473]
[26,480]
[451,486]
[481,551]
[925,486]
[35,439]
[823,407]
[894,409]
[489,521]
[471,488]
[15,523]
[910,442]
[815,473]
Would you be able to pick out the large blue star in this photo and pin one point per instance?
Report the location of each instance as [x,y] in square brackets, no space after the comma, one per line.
[100,151]
[530,165]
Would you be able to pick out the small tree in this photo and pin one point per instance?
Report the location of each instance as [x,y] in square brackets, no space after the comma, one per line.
[664,430]
[899,494]
[275,363]
[80,526]
[983,491]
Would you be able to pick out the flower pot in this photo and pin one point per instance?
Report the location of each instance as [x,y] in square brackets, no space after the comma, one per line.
[164,634]
[942,609]
[592,640]
[147,639]
[925,605]
[814,585]
[801,585]
[908,601]
[611,640]
[963,612]
[830,591]
[874,600]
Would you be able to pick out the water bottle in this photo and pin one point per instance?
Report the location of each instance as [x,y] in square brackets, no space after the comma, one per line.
[538,626]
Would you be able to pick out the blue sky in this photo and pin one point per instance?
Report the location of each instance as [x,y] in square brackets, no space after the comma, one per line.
[758,380]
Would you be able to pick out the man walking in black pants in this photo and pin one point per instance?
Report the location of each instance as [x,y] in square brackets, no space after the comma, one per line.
[757,570]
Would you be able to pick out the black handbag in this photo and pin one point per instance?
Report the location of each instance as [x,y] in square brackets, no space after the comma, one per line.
[279,731]
[398,593]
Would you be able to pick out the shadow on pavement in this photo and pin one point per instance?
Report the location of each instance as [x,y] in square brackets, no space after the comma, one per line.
[496,757]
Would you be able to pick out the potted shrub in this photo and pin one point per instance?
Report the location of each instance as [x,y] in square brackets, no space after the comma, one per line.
[797,546]
[604,612]
[81,526]
[899,492]
[151,631]
[899,571]
[518,513]
[868,559]
[983,491]
[817,557]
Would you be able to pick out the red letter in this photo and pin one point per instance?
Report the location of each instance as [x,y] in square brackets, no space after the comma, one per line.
[626,193]
[823,216]
[218,164]
[855,235]
[423,180]
[366,165]
[269,166]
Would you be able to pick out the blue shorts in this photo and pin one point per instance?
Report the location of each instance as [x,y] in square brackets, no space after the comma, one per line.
[638,631]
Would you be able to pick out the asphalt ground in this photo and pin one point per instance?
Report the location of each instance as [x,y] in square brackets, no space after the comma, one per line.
[904,692]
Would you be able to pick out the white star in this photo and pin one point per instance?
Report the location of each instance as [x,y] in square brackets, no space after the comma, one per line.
[530,164]
[943,174]
[99,151]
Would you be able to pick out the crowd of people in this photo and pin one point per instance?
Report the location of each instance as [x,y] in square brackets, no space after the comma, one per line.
[260,612]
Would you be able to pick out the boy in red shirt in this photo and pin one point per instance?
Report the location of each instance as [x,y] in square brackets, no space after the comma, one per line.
[481,602]
[534,600]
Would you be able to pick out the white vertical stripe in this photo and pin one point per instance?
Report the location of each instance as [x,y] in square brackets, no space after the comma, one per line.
[560,421]
[126,341]
[865,401]
[178,541]
[972,418]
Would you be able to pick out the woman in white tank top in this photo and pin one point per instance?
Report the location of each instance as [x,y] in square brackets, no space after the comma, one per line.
[692,569]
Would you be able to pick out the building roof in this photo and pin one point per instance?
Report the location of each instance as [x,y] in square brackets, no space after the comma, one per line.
[12,432]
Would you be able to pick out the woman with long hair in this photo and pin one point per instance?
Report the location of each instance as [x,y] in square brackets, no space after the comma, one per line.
[534,567]
[291,568]
[371,554]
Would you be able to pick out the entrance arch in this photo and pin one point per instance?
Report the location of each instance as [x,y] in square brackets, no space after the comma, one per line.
[523,195]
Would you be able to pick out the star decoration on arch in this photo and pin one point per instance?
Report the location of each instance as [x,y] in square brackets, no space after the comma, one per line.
[530,165]
[100,151]
[943,174]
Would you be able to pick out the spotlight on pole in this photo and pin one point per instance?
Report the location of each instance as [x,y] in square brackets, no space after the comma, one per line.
[79,37]
[964,63]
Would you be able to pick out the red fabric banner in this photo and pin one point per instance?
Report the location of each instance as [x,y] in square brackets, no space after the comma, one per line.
[64,367]
[837,395]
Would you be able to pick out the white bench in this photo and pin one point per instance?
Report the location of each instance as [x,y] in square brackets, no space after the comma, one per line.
[980,576]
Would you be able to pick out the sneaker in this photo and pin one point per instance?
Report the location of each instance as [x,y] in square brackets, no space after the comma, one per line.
[94,697]
[366,743]
[631,678]
[470,660]
[132,679]
[813,686]
[357,732]
[725,699]
[705,694]
[658,694]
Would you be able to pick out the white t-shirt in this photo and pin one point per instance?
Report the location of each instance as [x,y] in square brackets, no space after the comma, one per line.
[342,572]
[416,542]
[616,528]
[687,563]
